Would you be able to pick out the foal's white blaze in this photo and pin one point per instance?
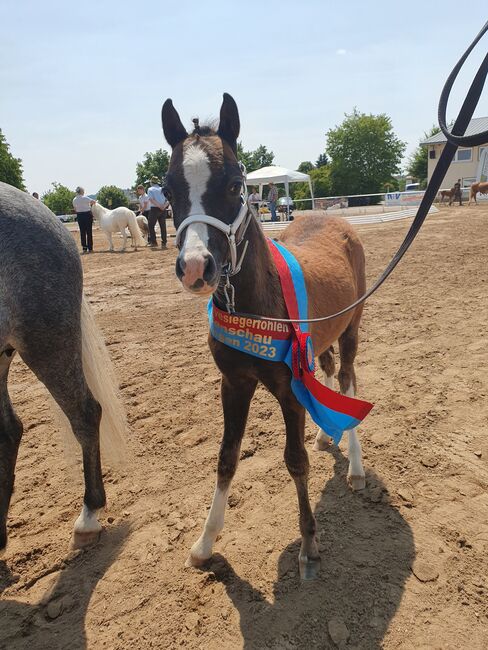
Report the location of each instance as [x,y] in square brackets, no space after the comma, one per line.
[355,473]
[196,170]
[202,549]
[322,440]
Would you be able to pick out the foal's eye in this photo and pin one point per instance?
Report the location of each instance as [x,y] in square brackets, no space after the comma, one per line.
[235,188]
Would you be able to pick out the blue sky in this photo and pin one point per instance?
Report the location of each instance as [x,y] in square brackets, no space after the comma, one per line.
[82,84]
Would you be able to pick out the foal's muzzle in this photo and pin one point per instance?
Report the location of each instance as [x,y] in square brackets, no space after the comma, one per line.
[198,273]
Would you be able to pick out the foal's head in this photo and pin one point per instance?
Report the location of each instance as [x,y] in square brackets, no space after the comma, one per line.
[204,178]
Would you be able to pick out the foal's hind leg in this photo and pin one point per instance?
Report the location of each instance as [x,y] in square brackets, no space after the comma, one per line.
[236,398]
[348,346]
[64,378]
[327,363]
[10,435]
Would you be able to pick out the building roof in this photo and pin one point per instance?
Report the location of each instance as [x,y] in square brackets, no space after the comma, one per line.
[477,125]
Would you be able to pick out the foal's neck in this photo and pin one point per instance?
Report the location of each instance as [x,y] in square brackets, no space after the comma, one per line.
[257,285]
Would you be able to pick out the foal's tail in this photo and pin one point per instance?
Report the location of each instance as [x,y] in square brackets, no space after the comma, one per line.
[136,234]
[100,377]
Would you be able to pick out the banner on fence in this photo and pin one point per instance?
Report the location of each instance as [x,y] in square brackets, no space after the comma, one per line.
[403,198]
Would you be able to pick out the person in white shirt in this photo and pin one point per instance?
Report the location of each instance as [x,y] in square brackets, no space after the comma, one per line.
[144,204]
[254,200]
[158,212]
[82,205]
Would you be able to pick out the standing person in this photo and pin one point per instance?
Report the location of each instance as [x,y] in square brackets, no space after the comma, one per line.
[82,205]
[272,198]
[158,212]
[144,204]
[456,193]
[254,200]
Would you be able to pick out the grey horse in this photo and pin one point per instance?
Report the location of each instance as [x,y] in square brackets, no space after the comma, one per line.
[45,318]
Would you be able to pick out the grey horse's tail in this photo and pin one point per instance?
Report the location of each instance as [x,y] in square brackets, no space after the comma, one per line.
[100,377]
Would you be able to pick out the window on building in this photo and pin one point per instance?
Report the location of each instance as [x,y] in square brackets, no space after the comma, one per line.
[463,155]
[481,149]
[432,154]
[468,181]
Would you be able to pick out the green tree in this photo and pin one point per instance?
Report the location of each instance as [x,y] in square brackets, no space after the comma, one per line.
[155,163]
[365,153]
[321,184]
[112,197]
[256,159]
[60,199]
[305,167]
[322,160]
[418,161]
[10,168]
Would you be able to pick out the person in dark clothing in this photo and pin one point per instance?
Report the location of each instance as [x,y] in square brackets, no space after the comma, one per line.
[456,193]
[82,205]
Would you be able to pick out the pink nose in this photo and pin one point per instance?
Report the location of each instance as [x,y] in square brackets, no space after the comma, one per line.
[194,271]
[194,268]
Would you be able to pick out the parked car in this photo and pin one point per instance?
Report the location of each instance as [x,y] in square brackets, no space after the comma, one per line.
[66,218]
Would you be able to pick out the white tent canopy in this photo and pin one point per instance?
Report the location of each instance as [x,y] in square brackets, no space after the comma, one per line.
[275,175]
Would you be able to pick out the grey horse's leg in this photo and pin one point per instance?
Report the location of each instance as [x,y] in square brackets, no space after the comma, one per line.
[10,436]
[61,372]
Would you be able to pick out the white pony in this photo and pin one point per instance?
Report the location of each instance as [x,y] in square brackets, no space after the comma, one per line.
[118,220]
[143,224]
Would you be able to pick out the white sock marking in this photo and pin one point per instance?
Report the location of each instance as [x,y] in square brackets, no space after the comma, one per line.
[87,522]
[353,445]
[202,549]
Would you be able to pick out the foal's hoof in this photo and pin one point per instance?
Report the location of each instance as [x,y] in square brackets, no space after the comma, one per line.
[322,442]
[196,562]
[356,482]
[81,540]
[309,567]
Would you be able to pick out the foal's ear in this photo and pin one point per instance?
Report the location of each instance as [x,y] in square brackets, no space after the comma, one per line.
[174,131]
[229,126]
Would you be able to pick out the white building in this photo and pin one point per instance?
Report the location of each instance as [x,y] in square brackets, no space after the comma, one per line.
[465,163]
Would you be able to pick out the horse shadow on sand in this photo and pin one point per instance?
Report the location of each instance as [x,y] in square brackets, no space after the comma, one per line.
[367,549]
[57,621]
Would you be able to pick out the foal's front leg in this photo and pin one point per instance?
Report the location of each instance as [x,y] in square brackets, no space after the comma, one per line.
[296,459]
[236,398]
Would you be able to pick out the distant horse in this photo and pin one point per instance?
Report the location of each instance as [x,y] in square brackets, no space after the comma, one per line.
[445,194]
[482,188]
[46,319]
[118,220]
[204,178]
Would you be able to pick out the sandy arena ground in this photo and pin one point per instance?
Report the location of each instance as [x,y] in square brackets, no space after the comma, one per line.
[404,563]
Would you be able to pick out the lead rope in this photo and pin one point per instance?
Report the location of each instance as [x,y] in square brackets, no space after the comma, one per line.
[455,139]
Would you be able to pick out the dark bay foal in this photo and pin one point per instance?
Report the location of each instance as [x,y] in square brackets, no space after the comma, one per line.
[204,186]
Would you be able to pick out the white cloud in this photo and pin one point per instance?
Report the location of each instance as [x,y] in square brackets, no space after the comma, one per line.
[341,52]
